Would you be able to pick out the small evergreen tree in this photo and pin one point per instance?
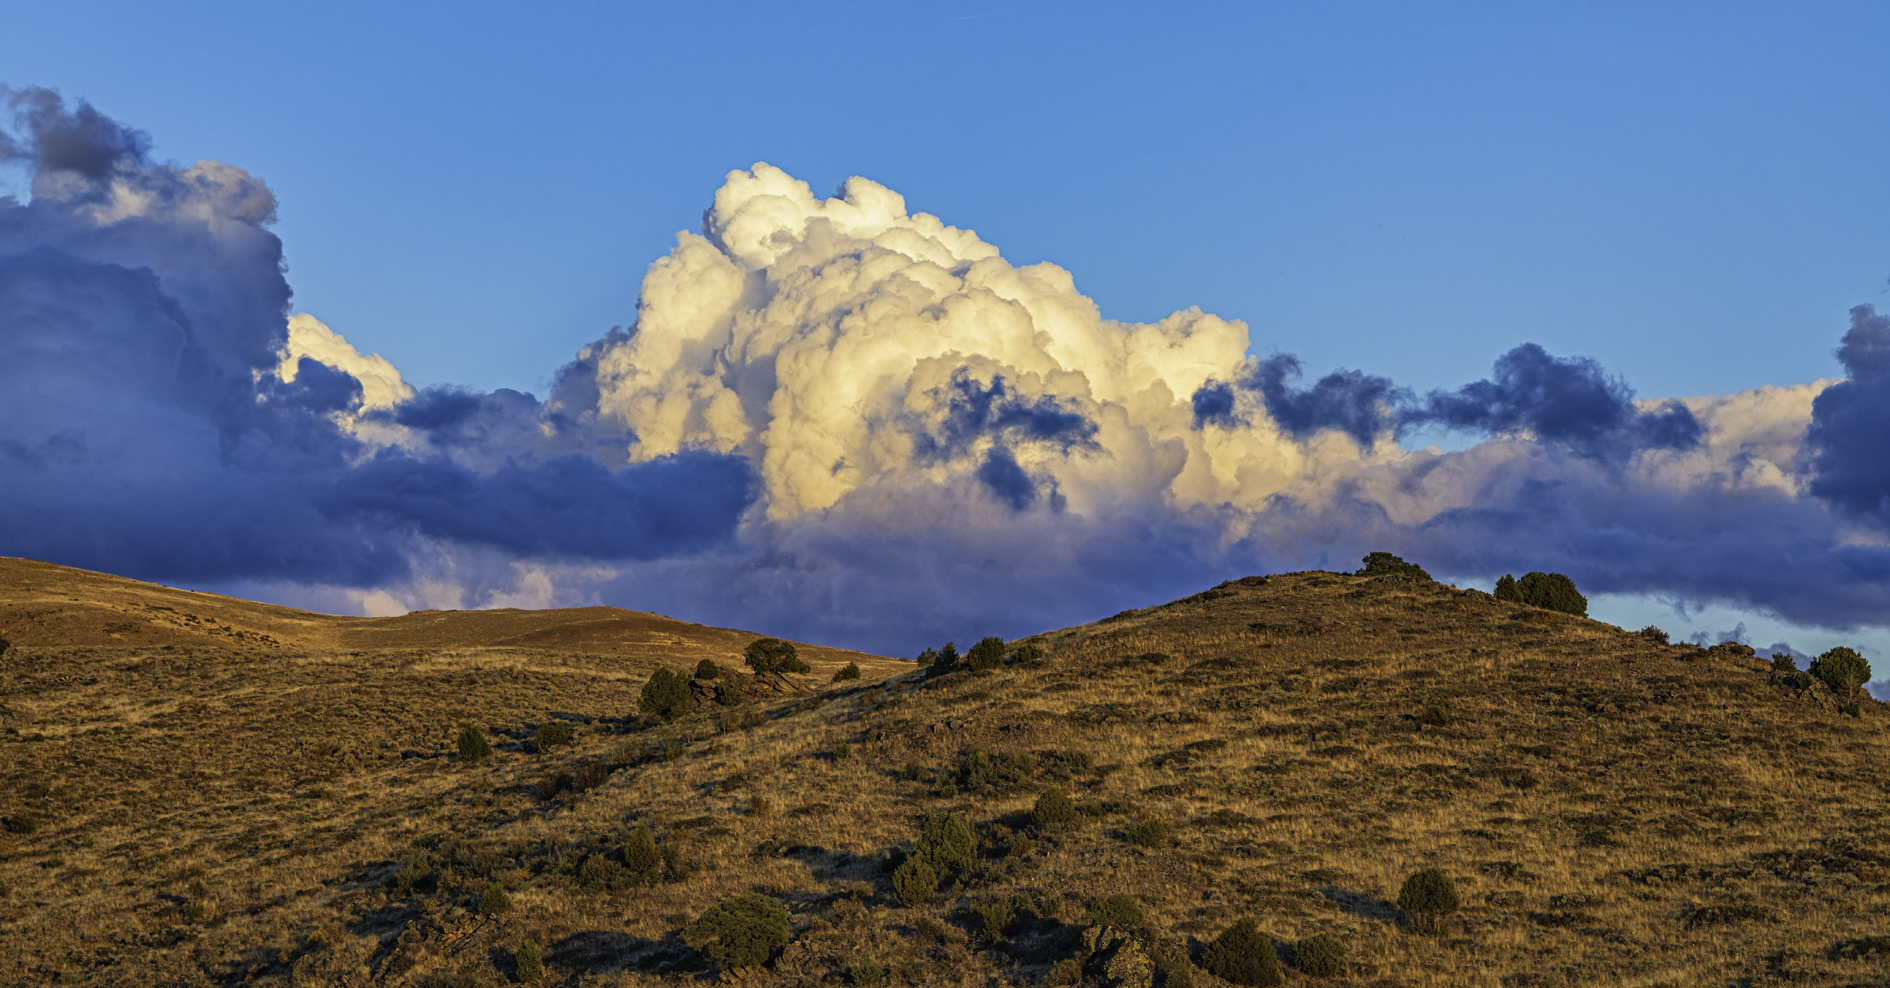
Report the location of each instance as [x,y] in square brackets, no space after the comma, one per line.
[946,661]
[1054,812]
[987,654]
[473,746]
[707,669]
[640,855]
[1552,591]
[1386,564]
[553,733]
[914,882]
[1244,956]
[1028,656]
[494,900]
[1320,955]
[665,695]
[528,965]
[946,840]
[1843,670]
[927,657]
[1784,663]
[1428,897]
[847,672]
[773,655]
[740,932]
[1506,590]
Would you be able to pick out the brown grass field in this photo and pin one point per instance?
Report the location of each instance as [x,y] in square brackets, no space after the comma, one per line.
[206,791]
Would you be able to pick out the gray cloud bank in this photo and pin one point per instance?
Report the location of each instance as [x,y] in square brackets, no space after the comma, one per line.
[836,419]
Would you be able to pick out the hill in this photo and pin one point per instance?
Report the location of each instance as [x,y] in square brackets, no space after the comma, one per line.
[1610,809]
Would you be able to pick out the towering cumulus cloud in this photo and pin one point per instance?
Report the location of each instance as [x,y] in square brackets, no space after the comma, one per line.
[840,419]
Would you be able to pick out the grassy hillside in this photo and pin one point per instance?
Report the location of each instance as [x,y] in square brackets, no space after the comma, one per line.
[1610,810]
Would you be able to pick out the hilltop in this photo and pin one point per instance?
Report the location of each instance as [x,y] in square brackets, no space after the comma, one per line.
[1611,809]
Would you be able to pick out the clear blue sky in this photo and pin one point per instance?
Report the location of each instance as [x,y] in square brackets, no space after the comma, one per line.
[1694,194]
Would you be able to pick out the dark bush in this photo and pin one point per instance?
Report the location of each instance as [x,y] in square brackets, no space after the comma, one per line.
[553,733]
[1386,564]
[867,972]
[1784,663]
[987,654]
[640,855]
[707,669]
[729,692]
[992,916]
[26,823]
[1506,591]
[1321,955]
[1526,779]
[927,658]
[1653,634]
[494,900]
[528,965]
[665,695]
[1055,812]
[773,655]
[1028,656]
[1243,955]
[849,671]
[1149,833]
[944,660]
[915,882]
[1841,669]
[1004,769]
[1435,717]
[740,932]
[1552,591]
[1427,897]
[946,840]
[473,746]
[1116,910]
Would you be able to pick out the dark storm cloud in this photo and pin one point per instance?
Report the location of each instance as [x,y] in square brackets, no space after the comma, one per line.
[1572,402]
[1214,405]
[52,138]
[145,433]
[974,410]
[1850,422]
[1357,404]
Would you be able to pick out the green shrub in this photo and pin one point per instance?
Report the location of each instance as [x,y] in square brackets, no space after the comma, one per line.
[197,889]
[1552,591]
[1055,811]
[867,972]
[1006,769]
[1116,910]
[773,655]
[473,746]
[1506,592]
[528,965]
[1427,897]
[1028,656]
[553,733]
[927,658]
[665,695]
[914,882]
[1149,833]
[1801,681]
[1526,779]
[494,900]
[22,823]
[740,932]
[1851,709]
[639,853]
[1841,669]
[1651,633]
[1243,955]
[993,916]
[847,672]
[842,750]
[946,840]
[730,693]
[987,654]
[1435,717]
[1320,955]
[1386,564]
[1783,663]
[707,669]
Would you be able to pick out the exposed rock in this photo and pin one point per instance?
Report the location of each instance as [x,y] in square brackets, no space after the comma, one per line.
[1116,958]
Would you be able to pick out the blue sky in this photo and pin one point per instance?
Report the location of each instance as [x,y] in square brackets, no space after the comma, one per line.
[1692,195]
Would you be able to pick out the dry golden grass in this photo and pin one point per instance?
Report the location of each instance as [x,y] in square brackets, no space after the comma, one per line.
[1696,821]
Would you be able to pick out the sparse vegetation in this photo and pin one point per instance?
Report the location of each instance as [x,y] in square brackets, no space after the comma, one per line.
[867,972]
[1150,833]
[1279,736]
[1118,909]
